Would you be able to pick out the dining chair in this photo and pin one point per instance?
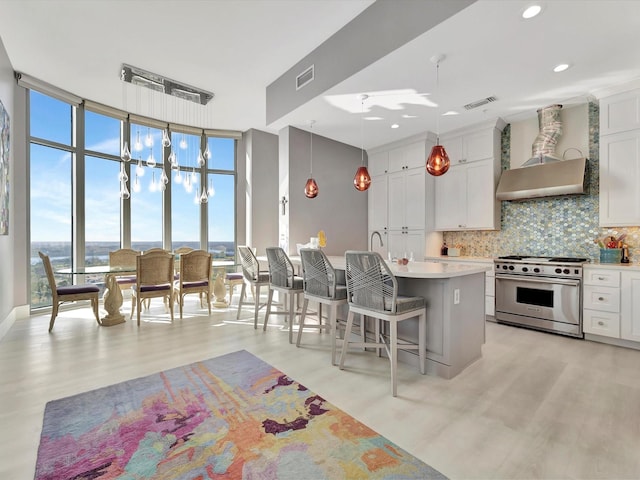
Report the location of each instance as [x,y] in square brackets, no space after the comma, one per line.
[321,285]
[126,258]
[179,251]
[154,278]
[282,279]
[253,276]
[232,279]
[70,293]
[195,277]
[372,290]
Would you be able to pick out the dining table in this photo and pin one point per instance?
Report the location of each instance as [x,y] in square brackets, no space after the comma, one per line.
[112,298]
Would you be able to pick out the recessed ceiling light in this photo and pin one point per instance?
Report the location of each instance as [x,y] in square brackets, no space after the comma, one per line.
[450,112]
[409,116]
[395,125]
[373,118]
[561,67]
[531,11]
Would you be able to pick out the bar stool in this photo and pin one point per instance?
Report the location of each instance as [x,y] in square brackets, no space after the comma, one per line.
[282,279]
[254,276]
[321,286]
[372,290]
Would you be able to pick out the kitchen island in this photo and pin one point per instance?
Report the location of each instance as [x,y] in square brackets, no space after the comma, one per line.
[455,301]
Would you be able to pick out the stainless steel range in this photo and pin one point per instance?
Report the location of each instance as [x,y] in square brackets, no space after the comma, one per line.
[543,293]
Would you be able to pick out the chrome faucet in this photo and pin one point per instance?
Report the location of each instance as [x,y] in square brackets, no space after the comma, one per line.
[375,232]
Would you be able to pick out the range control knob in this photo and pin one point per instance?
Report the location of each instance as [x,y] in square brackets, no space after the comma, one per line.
[525,269]
[536,270]
[566,271]
[504,267]
[558,270]
[511,267]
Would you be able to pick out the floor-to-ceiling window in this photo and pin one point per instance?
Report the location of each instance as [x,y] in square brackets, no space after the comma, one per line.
[101,187]
[222,199]
[51,183]
[78,212]
[146,194]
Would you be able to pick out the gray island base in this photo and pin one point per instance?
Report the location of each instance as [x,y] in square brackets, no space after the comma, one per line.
[455,300]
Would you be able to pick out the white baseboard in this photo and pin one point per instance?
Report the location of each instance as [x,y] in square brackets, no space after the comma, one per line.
[21,311]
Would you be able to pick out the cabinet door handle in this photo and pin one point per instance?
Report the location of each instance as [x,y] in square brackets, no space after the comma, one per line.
[600,299]
[601,323]
[601,278]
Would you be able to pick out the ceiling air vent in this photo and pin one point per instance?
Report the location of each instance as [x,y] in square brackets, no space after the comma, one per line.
[304,78]
[479,103]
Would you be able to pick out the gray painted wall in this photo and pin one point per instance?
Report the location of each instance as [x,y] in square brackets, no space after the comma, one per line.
[339,209]
[366,39]
[261,189]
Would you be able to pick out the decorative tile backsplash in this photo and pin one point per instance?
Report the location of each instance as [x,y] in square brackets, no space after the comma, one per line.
[555,226]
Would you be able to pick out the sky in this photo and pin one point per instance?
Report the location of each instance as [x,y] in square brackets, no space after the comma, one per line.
[52,173]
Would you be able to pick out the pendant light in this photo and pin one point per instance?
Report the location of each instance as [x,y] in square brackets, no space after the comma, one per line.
[311,187]
[438,161]
[362,179]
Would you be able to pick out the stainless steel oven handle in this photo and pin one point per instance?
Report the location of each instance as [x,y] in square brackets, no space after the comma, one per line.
[547,280]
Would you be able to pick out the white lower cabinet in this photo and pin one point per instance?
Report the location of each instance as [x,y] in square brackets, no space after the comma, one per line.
[601,302]
[606,324]
[630,306]
[611,300]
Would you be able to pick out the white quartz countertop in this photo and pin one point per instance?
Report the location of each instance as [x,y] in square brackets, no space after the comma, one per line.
[460,258]
[417,269]
[613,266]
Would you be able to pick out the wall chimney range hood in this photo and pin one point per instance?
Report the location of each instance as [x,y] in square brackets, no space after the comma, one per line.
[544,175]
[565,177]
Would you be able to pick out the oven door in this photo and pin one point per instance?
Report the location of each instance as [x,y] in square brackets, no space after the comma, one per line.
[554,299]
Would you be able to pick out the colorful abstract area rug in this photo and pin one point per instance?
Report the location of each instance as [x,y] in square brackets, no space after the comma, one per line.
[233,416]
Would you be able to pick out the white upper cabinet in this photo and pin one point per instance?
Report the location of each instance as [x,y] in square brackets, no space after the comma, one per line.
[620,160]
[469,147]
[378,163]
[378,212]
[465,195]
[397,196]
[620,113]
[406,199]
[407,157]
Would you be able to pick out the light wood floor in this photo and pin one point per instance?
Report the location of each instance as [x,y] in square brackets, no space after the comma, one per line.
[535,406]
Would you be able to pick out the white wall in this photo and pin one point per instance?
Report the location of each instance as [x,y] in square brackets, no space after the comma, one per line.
[575,134]
[260,189]
[7,242]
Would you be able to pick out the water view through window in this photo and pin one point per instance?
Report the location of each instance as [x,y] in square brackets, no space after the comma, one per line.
[67,208]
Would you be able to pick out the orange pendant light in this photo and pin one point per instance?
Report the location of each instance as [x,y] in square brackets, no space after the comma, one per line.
[311,187]
[362,179]
[438,161]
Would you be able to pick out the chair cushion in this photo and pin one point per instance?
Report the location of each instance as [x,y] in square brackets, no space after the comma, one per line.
[153,288]
[405,304]
[71,289]
[298,283]
[341,292]
[201,283]
[125,280]
[234,276]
